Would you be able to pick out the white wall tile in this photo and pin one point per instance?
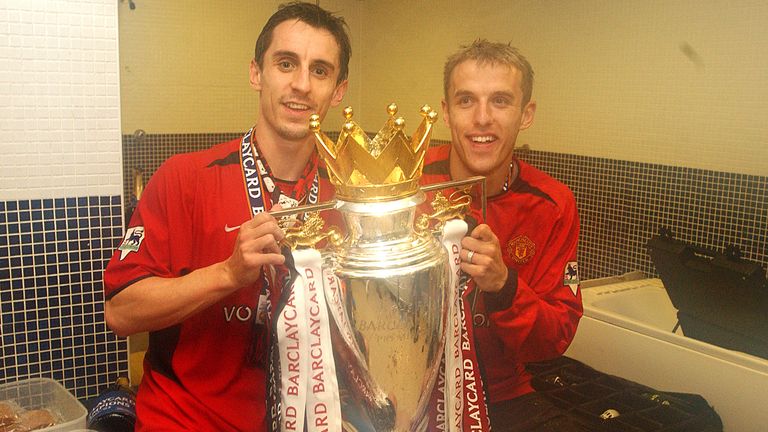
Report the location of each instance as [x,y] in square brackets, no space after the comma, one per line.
[59,99]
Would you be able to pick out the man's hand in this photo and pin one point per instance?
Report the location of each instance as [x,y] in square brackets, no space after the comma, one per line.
[481,259]
[255,247]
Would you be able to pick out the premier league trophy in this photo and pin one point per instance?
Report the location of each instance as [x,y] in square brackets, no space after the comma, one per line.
[362,331]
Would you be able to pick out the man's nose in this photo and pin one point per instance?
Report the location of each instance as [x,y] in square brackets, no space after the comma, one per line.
[483,115]
[301,81]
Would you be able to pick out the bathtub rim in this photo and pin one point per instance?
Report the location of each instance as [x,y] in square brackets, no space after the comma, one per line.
[596,290]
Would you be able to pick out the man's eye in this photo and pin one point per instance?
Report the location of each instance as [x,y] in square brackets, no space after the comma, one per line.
[321,72]
[502,101]
[285,65]
[465,100]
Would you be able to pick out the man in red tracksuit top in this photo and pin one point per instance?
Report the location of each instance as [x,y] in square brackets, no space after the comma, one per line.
[194,266]
[523,262]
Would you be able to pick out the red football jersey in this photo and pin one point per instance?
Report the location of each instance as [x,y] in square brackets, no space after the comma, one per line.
[534,317]
[197,374]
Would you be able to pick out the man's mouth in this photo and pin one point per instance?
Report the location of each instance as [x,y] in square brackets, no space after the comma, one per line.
[482,139]
[297,106]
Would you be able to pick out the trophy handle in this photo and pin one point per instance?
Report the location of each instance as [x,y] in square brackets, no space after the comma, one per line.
[309,232]
[465,182]
[445,209]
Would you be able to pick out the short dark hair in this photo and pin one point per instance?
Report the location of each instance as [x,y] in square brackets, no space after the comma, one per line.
[495,53]
[314,16]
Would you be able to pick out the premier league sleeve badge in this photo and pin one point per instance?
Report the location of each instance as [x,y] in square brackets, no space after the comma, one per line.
[571,276]
[132,241]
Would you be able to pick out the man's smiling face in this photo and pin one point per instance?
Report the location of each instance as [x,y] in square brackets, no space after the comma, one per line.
[484,111]
[298,79]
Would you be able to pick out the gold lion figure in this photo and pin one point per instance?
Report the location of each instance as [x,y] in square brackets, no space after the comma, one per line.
[445,209]
[310,232]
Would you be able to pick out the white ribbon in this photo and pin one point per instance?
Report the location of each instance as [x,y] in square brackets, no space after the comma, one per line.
[323,403]
[292,346]
[310,390]
[453,231]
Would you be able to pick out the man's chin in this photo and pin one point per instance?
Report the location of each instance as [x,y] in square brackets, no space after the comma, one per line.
[294,134]
[480,164]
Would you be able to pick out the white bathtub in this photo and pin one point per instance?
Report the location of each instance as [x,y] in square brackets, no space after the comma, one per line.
[627,331]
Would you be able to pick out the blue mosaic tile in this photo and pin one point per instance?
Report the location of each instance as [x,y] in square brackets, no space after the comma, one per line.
[52,254]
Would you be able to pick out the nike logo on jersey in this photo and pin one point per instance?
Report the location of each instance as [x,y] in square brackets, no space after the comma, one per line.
[229,229]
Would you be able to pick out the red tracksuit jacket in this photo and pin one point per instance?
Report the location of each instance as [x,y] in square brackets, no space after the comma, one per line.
[534,317]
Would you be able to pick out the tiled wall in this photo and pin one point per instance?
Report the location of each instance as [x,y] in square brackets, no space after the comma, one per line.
[59,99]
[143,154]
[60,188]
[52,255]
[621,204]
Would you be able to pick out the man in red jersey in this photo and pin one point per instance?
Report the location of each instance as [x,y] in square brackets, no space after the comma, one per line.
[193,268]
[523,260]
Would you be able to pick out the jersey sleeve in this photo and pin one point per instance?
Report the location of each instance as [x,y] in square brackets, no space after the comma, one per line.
[536,317]
[157,238]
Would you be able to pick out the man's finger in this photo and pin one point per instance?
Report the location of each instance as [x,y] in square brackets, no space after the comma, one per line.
[483,232]
[479,246]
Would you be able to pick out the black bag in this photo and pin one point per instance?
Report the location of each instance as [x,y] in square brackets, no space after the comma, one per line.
[607,403]
[721,298]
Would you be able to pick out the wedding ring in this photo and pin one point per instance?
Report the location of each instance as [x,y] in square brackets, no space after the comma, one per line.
[470,255]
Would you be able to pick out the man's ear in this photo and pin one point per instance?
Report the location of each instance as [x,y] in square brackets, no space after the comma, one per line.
[339,92]
[446,115]
[527,116]
[254,74]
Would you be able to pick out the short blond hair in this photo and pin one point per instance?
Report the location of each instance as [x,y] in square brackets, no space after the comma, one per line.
[485,52]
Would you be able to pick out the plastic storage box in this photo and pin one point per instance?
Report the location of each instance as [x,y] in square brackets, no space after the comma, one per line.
[45,393]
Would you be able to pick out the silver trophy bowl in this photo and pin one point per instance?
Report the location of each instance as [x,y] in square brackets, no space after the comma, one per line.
[389,341]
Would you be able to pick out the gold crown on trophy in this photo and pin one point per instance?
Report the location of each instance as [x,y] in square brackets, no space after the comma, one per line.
[384,168]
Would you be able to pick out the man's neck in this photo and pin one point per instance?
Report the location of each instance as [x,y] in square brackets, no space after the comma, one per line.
[494,183]
[286,158]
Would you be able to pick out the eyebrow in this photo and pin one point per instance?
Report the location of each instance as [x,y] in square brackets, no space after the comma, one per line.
[461,93]
[282,54]
[507,94]
[292,55]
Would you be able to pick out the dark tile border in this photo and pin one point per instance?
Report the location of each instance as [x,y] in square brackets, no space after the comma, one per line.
[621,203]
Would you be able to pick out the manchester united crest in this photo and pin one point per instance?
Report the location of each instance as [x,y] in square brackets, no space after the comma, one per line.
[521,249]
